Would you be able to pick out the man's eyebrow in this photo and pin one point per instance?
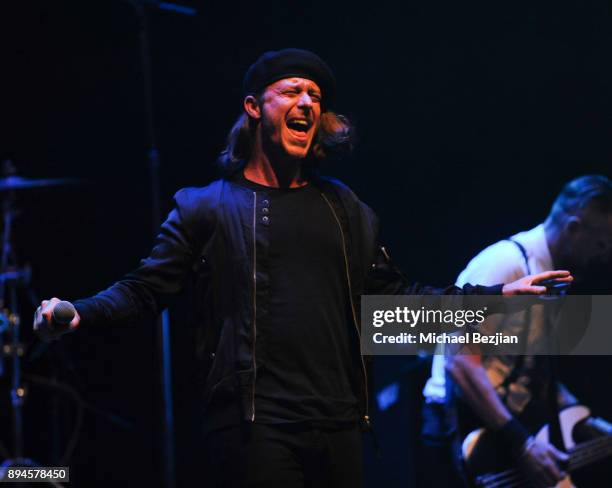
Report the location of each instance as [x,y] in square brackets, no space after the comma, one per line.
[290,84]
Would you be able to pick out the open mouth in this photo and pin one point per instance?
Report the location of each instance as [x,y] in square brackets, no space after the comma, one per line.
[299,127]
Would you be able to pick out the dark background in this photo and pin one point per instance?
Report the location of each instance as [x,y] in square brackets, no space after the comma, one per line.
[470,119]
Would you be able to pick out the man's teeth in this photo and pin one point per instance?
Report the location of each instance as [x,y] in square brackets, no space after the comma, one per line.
[298,125]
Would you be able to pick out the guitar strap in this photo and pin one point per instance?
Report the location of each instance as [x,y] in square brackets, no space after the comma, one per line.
[513,376]
[552,404]
[524,253]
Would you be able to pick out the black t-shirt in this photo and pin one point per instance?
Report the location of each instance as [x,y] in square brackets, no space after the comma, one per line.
[307,366]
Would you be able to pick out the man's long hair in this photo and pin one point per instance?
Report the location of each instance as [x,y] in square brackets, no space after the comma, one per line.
[334,138]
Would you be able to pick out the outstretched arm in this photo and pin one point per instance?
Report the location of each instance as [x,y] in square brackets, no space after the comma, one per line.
[385,278]
[142,293]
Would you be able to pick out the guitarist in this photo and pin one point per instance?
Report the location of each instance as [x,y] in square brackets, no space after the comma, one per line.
[512,394]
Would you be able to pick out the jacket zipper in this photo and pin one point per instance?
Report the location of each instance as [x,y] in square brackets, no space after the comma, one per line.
[254,303]
[366,417]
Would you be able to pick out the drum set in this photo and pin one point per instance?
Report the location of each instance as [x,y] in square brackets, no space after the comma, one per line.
[14,280]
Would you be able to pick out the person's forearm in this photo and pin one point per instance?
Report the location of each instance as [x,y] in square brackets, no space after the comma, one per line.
[145,291]
[478,392]
[117,305]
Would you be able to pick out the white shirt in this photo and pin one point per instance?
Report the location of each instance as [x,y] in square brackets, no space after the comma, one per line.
[501,262]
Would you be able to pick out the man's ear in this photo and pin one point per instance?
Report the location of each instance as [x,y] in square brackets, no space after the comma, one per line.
[573,225]
[252,107]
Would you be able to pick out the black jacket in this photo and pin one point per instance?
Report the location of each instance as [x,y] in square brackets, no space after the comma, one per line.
[217,236]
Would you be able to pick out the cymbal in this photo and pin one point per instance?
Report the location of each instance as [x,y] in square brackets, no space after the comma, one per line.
[19,183]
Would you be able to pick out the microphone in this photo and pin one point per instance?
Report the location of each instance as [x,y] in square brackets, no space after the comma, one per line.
[63,313]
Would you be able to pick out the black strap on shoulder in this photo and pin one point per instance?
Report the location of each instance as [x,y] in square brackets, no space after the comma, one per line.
[552,404]
[518,366]
[523,252]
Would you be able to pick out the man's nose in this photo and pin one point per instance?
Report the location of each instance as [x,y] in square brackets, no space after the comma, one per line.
[305,101]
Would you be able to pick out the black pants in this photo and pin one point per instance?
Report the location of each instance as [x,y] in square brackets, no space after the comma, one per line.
[288,456]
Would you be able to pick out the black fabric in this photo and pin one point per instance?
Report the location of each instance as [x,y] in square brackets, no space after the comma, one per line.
[307,364]
[286,455]
[288,63]
[209,238]
[514,436]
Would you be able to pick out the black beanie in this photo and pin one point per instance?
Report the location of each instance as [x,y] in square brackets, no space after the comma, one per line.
[289,63]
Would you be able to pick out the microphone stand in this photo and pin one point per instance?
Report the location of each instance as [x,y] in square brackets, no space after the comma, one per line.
[163,323]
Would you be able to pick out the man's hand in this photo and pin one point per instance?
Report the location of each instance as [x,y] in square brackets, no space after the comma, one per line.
[539,463]
[529,285]
[44,325]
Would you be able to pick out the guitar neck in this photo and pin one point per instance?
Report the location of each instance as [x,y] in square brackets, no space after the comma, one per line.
[589,452]
[580,456]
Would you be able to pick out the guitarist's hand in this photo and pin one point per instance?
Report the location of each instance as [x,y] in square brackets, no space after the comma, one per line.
[540,462]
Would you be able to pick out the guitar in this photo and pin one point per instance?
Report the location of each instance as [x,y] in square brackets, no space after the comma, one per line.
[488,467]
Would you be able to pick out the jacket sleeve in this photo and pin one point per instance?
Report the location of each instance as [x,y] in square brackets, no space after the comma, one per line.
[144,292]
[384,278]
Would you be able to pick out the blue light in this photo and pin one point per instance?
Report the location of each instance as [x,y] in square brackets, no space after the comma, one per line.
[387,396]
[181,9]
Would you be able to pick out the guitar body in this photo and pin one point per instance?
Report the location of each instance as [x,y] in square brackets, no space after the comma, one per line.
[485,457]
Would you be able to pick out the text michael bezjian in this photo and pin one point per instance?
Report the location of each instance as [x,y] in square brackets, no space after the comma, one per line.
[445,338]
